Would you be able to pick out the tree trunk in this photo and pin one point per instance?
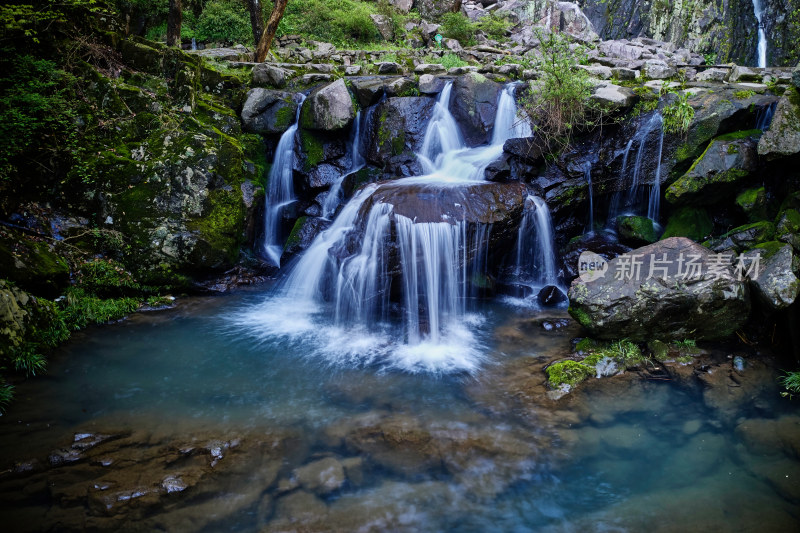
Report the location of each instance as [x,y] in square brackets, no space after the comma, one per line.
[256,19]
[174,19]
[269,31]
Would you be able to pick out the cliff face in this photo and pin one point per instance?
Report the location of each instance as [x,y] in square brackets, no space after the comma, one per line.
[726,28]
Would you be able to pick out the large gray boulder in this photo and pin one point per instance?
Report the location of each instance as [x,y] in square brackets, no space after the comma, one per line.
[434,9]
[666,300]
[268,111]
[773,278]
[270,75]
[397,127]
[728,160]
[473,104]
[783,137]
[328,108]
[613,97]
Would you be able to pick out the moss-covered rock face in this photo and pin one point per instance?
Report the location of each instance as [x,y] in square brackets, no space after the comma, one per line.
[474,105]
[787,228]
[691,222]
[636,230]
[328,108]
[28,325]
[269,112]
[754,203]
[399,132]
[31,263]
[727,161]
[742,238]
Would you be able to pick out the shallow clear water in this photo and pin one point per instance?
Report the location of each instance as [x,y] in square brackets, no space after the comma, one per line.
[484,451]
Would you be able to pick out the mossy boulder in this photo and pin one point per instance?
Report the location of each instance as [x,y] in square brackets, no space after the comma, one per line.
[773,275]
[636,230]
[473,104]
[754,203]
[27,324]
[743,237]
[397,129]
[691,222]
[568,373]
[321,158]
[328,108]
[787,228]
[32,263]
[783,137]
[651,293]
[726,162]
[269,112]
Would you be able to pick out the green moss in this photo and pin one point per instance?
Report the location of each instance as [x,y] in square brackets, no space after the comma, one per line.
[587,345]
[313,149]
[284,117]
[690,222]
[660,350]
[768,248]
[762,231]
[82,309]
[581,316]
[636,228]
[294,235]
[754,203]
[222,224]
[743,94]
[567,373]
[738,135]
[107,278]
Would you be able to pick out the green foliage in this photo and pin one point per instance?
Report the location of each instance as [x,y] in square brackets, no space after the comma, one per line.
[26,21]
[791,382]
[678,115]
[561,105]
[341,22]
[743,94]
[107,278]
[224,21]
[83,309]
[494,26]
[6,395]
[37,118]
[449,61]
[711,58]
[568,373]
[458,26]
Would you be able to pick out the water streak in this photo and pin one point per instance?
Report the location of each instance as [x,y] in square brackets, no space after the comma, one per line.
[535,257]
[280,191]
[357,162]
[761,49]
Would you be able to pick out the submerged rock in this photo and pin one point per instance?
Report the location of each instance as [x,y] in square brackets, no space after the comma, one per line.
[673,289]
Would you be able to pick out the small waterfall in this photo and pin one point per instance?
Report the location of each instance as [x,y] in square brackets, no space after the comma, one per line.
[631,202]
[762,34]
[536,258]
[508,124]
[442,134]
[280,191]
[357,162]
[764,117]
[194,44]
[588,175]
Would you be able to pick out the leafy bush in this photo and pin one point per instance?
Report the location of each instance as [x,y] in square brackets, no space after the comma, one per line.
[36,112]
[494,26]
[458,26]
[341,22]
[678,115]
[452,60]
[83,309]
[224,21]
[561,105]
[107,278]
[791,382]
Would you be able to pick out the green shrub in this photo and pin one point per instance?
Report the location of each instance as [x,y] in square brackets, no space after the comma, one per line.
[458,26]
[342,23]
[568,373]
[451,60]
[108,279]
[494,26]
[743,94]
[678,116]
[791,382]
[224,21]
[560,106]
[83,309]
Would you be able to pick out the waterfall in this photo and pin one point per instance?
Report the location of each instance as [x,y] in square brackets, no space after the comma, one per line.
[762,34]
[588,175]
[508,123]
[536,258]
[370,252]
[764,116]
[280,191]
[632,200]
[357,162]
[194,44]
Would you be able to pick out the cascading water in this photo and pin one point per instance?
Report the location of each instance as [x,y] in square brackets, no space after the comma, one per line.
[631,202]
[762,34]
[764,116]
[536,258]
[371,252]
[280,191]
[588,176]
[357,162]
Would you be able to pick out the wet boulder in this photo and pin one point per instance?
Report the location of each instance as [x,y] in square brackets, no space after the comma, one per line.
[320,159]
[32,263]
[773,279]
[551,296]
[613,97]
[473,104]
[636,230]
[328,108]
[727,161]
[783,137]
[743,237]
[397,128]
[303,233]
[268,111]
[673,289]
